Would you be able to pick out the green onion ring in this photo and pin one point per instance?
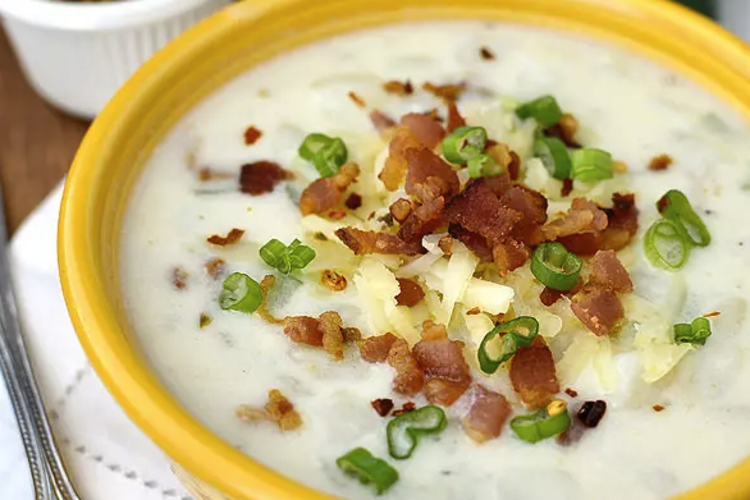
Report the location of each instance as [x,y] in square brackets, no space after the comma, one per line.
[666,245]
[370,470]
[555,267]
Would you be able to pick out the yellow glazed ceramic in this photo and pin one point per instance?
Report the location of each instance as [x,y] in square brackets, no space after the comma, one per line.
[217,50]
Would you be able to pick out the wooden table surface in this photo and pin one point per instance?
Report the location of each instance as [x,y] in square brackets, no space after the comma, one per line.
[37,142]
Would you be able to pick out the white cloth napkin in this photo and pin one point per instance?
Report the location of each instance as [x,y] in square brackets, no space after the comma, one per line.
[107,456]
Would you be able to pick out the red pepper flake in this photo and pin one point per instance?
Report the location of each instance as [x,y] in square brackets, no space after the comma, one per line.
[661,162]
[473,311]
[408,407]
[215,267]
[658,408]
[449,92]
[179,278]
[337,214]
[357,99]
[711,314]
[231,238]
[382,406]
[571,392]
[486,54]
[567,187]
[252,135]
[354,201]
[399,88]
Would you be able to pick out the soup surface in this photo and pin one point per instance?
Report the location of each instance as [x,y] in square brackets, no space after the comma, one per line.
[676,411]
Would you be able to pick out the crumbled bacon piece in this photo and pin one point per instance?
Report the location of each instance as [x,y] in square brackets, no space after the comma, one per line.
[442,361]
[351,334]
[252,135]
[215,267]
[571,392]
[428,176]
[382,406]
[478,210]
[565,130]
[445,244]
[514,167]
[410,293]
[395,167]
[330,324]
[303,330]
[364,242]
[423,220]
[333,280]
[533,374]
[375,349]
[487,416]
[712,314]
[356,99]
[486,54]
[425,127]
[608,272]
[473,241]
[398,87]
[325,193]
[354,201]
[473,311]
[261,177]
[549,296]
[567,187]
[583,216]
[455,119]
[409,379]
[381,121]
[231,238]
[598,308]
[533,208]
[336,214]
[509,255]
[661,162]
[281,411]
[658,408]
[449,92]
[501,153]
[179,278]
[622,222]
[326,331]
[400,209]
[265,285]
[407,407]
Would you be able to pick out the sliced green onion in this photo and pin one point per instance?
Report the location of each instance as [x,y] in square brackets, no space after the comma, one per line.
[694,333]
[591,165]
[666,245]
[554,155]
[555,267]
[483,165]
[540,425]
[312,144]
[240,293]
[544,110]
[675,206]
[405,430]
[463,144]
[519,332]
[370,470]
[329,159]
[286,259]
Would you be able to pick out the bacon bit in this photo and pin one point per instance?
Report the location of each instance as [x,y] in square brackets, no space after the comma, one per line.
[448,92]
[411,293]
[262,177]
[330,323]
[206,174]
[398,88]
[303,330]
[407,407]
[608,272]
[487,415]
[571,392]
[478,210]
[325,193]
[446,245]
[356,99]
[442,361]
[336,214]
[583,216]
[533,375]
[425,219]
[281,411]
[514,168]
[179,278]
[661,162]
[382,122]
[252,135]
[230,239]
[549,296]
[333,280]
[658,408]
[265,285]
[386,219]
[565,130]
[249,413]
[215,267]
[533,208]
[712,314]
[400,209]
[326,331]
[486,54]
[473,241]
[501,153]
[351,334]
[382,406]
[509,255]
[409,379]
[354,201]
[622,222]
[364,242]
[395,166]
[425,127]
[455,119]
[567,188]
[204,320]
[598,308]
[376,349]
[619,167]
[473,311]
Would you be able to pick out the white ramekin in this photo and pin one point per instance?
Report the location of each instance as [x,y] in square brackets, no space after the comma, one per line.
[76,55]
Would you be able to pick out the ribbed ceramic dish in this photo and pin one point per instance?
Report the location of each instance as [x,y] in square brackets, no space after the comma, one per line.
[222,47]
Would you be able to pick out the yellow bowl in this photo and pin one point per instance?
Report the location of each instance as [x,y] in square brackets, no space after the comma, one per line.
[227,44]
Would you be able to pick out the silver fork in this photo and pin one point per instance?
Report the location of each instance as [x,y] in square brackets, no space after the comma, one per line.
[51,481]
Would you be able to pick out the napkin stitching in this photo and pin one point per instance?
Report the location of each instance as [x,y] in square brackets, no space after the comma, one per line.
[78,377]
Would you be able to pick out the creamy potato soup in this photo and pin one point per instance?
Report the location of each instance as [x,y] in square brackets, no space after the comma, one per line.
[454,260]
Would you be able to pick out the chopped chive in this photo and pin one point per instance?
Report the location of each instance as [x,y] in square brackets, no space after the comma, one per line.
[554,155]
[666,245]
[286,258]
[463,144]
[327,154]
[519,332]
[591,165]
[675,206]
[240,293]
[370,470]
[542,424]
[694,333]
[405,430]
[544,110]
[483,165]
